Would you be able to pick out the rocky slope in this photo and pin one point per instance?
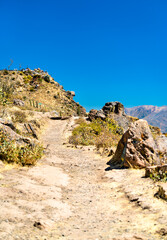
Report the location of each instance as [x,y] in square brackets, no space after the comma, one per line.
[28,98]
[37,90]
[156,116]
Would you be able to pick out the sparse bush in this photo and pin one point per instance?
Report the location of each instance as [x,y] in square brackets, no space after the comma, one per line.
[6,91]
[10,152]
[27,79]
[78,110]
[32,89]
[80,120]
[19,116]
[106,139]
[158,175]
[5,72]
[98,132]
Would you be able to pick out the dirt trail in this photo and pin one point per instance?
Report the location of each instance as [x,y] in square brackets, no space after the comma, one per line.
[69,196]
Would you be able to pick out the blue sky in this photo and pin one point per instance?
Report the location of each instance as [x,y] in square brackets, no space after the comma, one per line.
[110,50]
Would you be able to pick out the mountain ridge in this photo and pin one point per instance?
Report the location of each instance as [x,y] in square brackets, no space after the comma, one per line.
[156,116]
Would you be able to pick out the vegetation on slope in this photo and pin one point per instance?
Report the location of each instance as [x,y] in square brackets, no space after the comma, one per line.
[101,133]
[25,97]
[38,91]
[23,155]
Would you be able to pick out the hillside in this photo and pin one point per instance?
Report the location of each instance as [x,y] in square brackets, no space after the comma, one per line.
[156,116]
[28,99]
[36,90]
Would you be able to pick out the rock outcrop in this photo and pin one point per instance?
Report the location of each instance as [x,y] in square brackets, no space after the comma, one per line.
[108,109]
[114,107]
[138,148]
[12,135]
[94,114]
[113,110]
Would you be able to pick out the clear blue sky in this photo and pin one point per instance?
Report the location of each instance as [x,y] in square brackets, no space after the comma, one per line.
[104,50]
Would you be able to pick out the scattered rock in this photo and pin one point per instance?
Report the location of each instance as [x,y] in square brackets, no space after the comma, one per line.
[71,93]
[94,114]
[162,232]
[38,225]
[18,102]
[47,78]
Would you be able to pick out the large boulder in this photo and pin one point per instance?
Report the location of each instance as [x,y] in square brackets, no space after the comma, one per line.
[114,107]
[94,114]
[139,148]
[12,135]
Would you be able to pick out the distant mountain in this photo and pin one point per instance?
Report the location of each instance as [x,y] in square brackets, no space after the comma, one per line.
[156,116]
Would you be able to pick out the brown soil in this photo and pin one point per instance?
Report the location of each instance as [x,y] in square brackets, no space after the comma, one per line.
[70,196]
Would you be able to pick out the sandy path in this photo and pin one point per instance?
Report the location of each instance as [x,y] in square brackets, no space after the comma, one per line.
[73,198]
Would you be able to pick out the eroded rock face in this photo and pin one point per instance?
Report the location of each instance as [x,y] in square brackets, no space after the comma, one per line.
[138,147]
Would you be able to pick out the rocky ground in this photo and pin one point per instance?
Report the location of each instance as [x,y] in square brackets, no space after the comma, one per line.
[70,196]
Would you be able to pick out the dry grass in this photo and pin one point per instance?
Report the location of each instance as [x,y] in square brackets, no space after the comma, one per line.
[102,134]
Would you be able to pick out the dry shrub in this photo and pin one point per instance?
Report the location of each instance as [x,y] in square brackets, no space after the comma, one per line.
[6,91]
[80,120]
[19,117]
[106,139]
[103,134]
[11,152]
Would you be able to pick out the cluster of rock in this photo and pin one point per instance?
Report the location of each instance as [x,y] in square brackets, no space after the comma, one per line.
[113,107]
[108,109]
[114,110]
[36,71]
[139,148]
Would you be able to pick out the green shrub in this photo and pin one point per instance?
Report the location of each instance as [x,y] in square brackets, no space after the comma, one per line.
[159,176]
[80,120]
[6,91]
[78,111]
[27,79]
[32,89]
[98,132]
[5,72]
[10,152]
